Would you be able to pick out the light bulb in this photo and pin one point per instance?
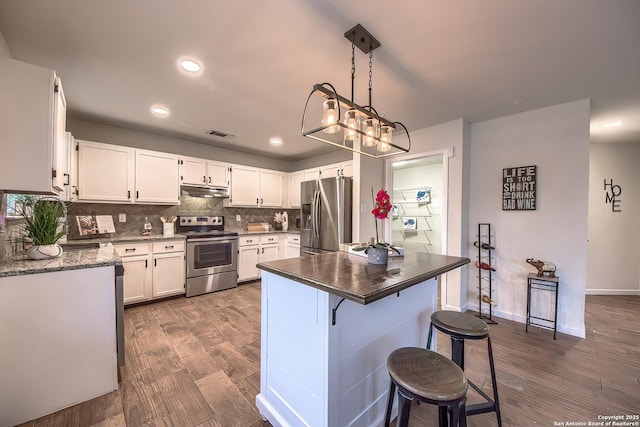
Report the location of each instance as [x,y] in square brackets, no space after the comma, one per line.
[386,134]
[330,115]
[351,122]
[372,131]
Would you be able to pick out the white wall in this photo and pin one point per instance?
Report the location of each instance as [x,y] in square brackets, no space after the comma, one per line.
[4,48]
[556,139]
[613,250]
[451,136]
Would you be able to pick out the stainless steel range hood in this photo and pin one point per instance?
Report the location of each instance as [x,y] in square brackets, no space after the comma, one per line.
[195,191]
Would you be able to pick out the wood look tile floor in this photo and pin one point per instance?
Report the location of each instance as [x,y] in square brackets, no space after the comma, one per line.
[196,362]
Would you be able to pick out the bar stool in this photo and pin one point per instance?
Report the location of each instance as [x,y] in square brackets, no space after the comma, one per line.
[461,326]
[428,377]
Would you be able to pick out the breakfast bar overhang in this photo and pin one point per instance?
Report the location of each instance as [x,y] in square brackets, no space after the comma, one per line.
[328,324]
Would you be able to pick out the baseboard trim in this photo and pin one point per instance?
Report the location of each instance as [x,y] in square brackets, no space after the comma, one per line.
[613,292]
[576,332]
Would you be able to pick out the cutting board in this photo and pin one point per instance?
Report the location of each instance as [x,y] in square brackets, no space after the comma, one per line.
[258,226]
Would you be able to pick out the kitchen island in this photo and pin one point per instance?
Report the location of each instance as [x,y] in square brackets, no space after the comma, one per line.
[328,324]
[58,332]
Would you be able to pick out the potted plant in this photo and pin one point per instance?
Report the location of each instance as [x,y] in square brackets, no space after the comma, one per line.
[378,251]
[42,225]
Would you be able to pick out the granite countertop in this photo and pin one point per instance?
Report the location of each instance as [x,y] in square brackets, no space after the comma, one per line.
[123,239]
[242,232]
[20,264]
[352,277]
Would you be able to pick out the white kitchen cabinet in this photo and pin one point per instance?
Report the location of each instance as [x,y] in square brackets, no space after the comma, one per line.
[337,169]
[105,172]
[292,246]
[152,270]
[201,172]
[32,126]
[254,249]
[311,174]
[295,179]
[254,187]
[70,193]
[248,256]
[218,174]
[156,178]
[116,174]
[169,269]
[193,171]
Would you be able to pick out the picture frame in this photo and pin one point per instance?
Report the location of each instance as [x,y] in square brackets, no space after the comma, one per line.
[423,195]
[409,223]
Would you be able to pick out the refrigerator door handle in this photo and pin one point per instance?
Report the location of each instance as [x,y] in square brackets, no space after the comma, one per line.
[317,215]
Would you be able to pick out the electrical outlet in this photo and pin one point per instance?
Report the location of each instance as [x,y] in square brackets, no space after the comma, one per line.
[122,217]
[238,218]
[363,208]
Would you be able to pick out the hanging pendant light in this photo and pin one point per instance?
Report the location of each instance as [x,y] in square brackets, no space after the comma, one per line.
[364,131]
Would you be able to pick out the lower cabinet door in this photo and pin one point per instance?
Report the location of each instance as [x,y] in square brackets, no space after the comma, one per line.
[168,274]
[137,279]
[247,259]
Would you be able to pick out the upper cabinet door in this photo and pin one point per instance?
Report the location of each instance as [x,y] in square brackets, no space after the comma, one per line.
[157,178]
[271,188]
[105,172]
[330,171]
[245,186]
[347,169]
[296,179]
[193,171]
[217,174]
[60,156]
[31,110]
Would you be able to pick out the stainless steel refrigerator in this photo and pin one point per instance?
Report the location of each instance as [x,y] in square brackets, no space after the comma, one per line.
[325,207]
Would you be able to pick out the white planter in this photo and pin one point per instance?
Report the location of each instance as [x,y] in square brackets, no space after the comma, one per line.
[44,251]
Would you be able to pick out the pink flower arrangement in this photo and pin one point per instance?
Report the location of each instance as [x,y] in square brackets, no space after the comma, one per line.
[382,205]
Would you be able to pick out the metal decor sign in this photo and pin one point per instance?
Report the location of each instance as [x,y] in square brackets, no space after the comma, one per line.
[519,188]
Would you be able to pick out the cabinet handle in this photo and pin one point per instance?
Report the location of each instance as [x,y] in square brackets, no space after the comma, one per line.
[130,250]
[169,247]
[204,179]
[209,180]
[155,262]
[261,201]
[258,251]
[181,178]
[146,263]
[257,201]
[66,177]
[128,194]
[262,250]
[250,240]
[137,195]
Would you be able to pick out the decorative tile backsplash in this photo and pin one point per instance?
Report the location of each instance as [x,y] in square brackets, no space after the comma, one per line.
[11,235]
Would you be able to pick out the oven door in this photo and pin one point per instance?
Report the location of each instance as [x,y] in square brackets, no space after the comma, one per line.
[211,255]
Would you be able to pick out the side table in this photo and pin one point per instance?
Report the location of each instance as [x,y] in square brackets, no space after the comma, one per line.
[545,284]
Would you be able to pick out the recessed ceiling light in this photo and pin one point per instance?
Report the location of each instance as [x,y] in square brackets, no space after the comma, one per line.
[160,111]
[190,65]
[275,141]
[612,124]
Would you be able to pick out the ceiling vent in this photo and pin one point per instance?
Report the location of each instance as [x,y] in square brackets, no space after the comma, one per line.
[214,132]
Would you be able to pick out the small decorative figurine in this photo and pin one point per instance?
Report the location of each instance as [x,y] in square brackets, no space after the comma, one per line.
[544,267]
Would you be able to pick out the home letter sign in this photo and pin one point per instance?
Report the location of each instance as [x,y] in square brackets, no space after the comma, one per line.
[519,188]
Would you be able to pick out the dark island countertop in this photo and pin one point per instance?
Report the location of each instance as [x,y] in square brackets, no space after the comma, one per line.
[353,278]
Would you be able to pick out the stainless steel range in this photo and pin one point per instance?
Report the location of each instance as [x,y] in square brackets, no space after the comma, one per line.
[212,254]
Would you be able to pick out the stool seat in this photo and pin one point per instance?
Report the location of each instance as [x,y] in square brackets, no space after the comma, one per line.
[464,325]
[427,374]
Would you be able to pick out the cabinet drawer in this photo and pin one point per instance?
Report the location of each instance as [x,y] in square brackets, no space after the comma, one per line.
[168,246]
[248,240]
[131,249]
[268,239]
[293,238]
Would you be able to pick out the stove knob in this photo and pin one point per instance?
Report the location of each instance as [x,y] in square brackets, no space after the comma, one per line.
[189,220]
[183,220]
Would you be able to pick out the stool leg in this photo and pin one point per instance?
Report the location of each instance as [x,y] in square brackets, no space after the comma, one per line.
[462,411]
[404,407]
[429,336]
[387,415]
[443,419]
[494,382]
[457,351]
